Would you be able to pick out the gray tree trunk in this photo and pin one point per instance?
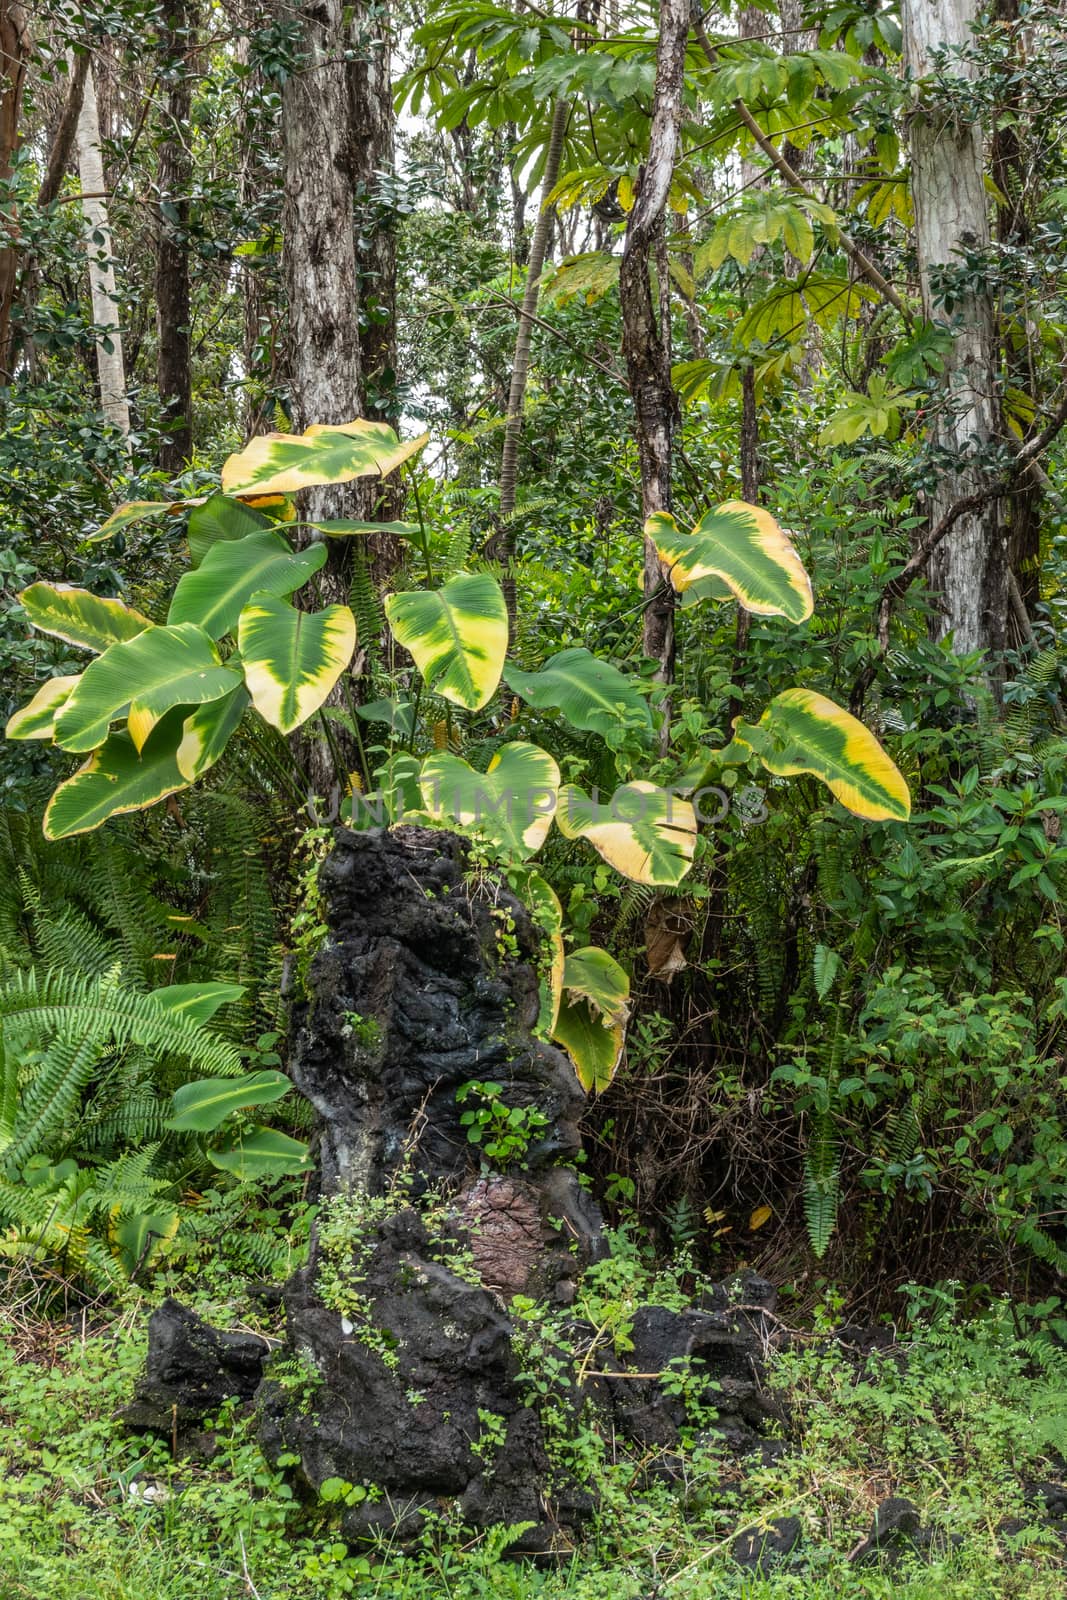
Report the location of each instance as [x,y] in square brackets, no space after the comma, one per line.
[968,573]
[16,48]
[339,268]
[102,287]
[520,370]
[173,308]
[647,360]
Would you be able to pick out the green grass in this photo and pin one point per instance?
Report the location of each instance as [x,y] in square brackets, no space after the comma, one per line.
[957,1426]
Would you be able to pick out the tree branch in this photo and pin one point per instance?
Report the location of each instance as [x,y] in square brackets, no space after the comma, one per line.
[863,263]
[896,587]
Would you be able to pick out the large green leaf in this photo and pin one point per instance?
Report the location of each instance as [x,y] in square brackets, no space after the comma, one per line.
[263,1153]
[743,547]
[647,833]
[136,1235]
[283,463]
[37,719]
[262,563]
[591,1025]
[292,659]
[79,617]
[204,1106]
[198,1001]
[591,974]
[802,731]
[207,732]
[590,693]
[142,679]
[116,779]
[512,803]
[458,636]
[220,519]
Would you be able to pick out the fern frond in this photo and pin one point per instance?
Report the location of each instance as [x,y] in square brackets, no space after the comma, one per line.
[93,1007]
[54,1091]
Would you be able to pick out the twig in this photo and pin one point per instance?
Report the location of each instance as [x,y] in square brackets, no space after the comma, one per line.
[249,1585]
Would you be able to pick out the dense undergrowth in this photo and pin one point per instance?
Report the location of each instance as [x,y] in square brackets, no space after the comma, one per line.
[964,1415]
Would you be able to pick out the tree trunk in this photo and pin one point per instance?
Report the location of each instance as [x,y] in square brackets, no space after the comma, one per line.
[374,153]
[173,314]
[103,293]
[319,258]
[520,370]
[647,361]
[968,573]
[20,342]
[340,279]
[15,50]
[1017,199]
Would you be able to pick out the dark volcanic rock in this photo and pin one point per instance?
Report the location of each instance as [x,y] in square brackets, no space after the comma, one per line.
[722,1349]
[410,999]
[402,1371]
[419,1398]
[761,1549]
[191,1369]
[894,1531]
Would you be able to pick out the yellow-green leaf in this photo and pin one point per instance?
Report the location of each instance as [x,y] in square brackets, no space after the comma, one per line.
[592,974]
[141,679]
[116,779]
[646,833]
[347,527]
[458,636]
[132,511]
[591,1021]
[78,617]
[262,563]
[284,463]
[542,902]
[37,720]
[593,1043]
[802,731]
[745,548]
[292,659]
[512,803]
[207,732]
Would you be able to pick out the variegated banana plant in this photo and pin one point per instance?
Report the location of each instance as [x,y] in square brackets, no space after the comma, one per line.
[158,702]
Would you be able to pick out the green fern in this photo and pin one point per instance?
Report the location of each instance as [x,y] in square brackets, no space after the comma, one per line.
[822,1183]
[69,1005]
[366,606]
